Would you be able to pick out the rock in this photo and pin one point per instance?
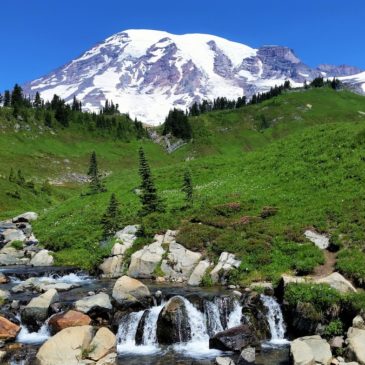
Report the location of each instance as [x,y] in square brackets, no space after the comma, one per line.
[8,329]
[38,308]
[4,294]
[267,287]
[336,342]
[338,282]
[2,356]
[4,279]
[233,339]
[127,291]
[71,318]
[320,240]
[225,264]
[102,344]
[173,324]
[66,347]
[41,285]
[110,359]
[198,273]
[145,261]
[319,350]
[301,353]
[356,344]
[224,361]
[15,305]
[13,234]
[112,267]
[26,217]
[248,356]
[127,234]
[10,256]
[42,258]
[100,302]
[358,322]
[180,262]
[287,279]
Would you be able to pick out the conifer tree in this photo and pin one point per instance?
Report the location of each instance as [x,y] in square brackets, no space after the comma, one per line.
[111,219]
[187,188]
[96,185]
[149,197]
[37,100]
[6,98]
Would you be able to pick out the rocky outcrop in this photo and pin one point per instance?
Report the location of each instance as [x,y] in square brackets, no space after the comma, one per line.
[26,217]
[320,240]
[173,324]
[42,258]
[8,329]
[128,291]
[311,350]
[233,339]
[112,267]
[198,273]
[226,263]
[356,345]
[98,302]
[71,318]
[338,282]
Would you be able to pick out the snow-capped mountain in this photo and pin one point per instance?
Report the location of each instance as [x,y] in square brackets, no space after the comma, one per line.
[148,72]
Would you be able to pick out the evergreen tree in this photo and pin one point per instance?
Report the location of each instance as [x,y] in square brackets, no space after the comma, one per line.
[48,119]
[17,99]
[37,103]
[111,218]
[177,124]
[187,188]
[7,98]
[11,175]
[149,197]
[96,185]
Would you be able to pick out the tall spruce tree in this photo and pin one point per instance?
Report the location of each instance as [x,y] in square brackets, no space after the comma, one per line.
[187,188]
[96,185]
[149,197]
[111,219]
[6,98]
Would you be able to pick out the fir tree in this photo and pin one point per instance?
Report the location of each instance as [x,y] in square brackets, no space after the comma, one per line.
[96,185]
[187,188]
[149,197]
[17,99]
[6,98]
[111,218]
[37,103]
[177,124]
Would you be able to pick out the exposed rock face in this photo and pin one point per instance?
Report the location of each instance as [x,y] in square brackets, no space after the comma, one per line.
[173,324]
[233,339]
[338,282]
[8,329]
[226,263]
[311,350]
[37,310]
[100,302]
[26,217]
[320,240]
[71,318]
[127,291]
[102,344]
[356,341]
[42,258]
[198,273]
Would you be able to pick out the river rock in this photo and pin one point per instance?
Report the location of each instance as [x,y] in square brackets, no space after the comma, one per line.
[41,285]
[320,240]
[180,262]
[338,282]
[99,302]
[247,357]
[127,291]
[26,217]
[4,295]
[38,308]
[110,359]
[10,256]
[319,349]
[42,258]
[71,318]
[112,267]
[4,279]
[66,347]
[102,344]
[8,329]
[224,361]
[13,234]
[198,273]
[145,261]
[233,339]
[356,345]
[301,353]
[173,322]
[358,322]
[226,263]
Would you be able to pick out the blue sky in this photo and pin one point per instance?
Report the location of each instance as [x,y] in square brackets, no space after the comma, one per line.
[40,35]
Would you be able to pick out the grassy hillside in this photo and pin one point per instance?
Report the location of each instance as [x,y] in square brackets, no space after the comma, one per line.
[296,160]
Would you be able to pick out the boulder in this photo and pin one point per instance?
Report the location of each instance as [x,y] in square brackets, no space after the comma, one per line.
[10,256]
[198,273]
[226,263]
[66,347]
[38,308]
[71,318]
[41,285]
[144,262]
[13,234]
[288,279]
[173,323]
[301,353]
[128,291]
[112,267]
[248,356]
[356,344]
[110,359]
[319,349]
[127,235]
[180,262]
[4,279]
[26,217]
[8,329]
[100,302]
[102,344]
[233,339]
[224,361]
[358,322]
[42,258]
[320,240]
[4,295]
[338,282]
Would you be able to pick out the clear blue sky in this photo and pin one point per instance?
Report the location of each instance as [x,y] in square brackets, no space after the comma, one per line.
[40,35]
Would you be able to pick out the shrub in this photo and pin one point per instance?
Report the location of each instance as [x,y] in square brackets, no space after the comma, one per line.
[228,209]
[18,245]
[351,262]
[334,328]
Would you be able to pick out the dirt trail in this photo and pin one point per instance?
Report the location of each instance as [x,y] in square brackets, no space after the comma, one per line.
[328,267]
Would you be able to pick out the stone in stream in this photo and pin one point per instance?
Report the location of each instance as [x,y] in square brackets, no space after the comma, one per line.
[4,279]
[173,323]
[42,285]
[8,329]
[112,267]
[233,339]
[98,302]
[247,357]
[224,361]
[102,344]
[198,273]
[4,295]
[42,258]
[71,318]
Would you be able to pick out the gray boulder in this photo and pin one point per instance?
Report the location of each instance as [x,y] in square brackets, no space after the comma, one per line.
[338,282]
[248,356]
[127,291]
[112,267]
[26,217]
[356,344]
[100,302]
[226,263]
[305,348]
[198,273]
[42,258]
[320,240]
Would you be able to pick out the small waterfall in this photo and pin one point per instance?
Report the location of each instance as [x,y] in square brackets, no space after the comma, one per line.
[234,318]
[212,317]
[127,331]
[149,330]
[275,319]
[33,338]
[224,308]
